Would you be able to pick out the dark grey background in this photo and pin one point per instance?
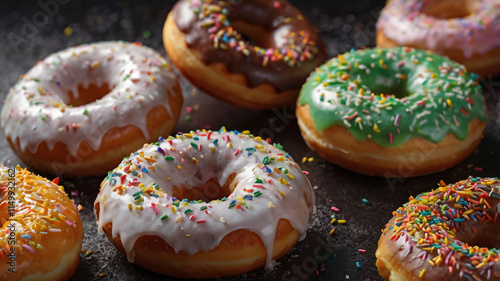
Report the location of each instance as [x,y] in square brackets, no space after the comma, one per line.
[343,25]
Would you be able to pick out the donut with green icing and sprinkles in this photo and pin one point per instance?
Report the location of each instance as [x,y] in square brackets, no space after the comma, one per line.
[395,112]
[205,204]
[253,54]
[450,233]
[41,233]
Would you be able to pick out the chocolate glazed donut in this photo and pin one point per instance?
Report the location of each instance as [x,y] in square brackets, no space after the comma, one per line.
[261,50]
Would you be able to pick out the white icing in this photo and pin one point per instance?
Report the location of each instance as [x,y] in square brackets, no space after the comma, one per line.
[215,161]
[319,94]
[140,76]
[404,22]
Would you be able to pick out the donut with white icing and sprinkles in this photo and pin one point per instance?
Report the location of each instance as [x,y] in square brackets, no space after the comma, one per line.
[468,32]
[253,54]
[41,233]
[205,204]
[450,233]
[81,110]
[397,112]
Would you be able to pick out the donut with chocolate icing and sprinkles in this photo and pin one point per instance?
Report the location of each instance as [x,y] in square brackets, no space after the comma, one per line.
[396,112]
[205,204]
[450,233]
[253,54]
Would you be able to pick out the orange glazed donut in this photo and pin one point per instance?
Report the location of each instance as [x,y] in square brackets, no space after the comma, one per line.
[205,204]
[448,234]
[41,233]
[81,110]
[467,31]
[206,41]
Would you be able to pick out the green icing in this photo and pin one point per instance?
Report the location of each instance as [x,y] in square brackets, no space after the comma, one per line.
[394,95]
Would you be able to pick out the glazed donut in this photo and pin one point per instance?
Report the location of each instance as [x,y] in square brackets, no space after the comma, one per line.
[41,233]
[466,31]
[447,234]
[205,204]
[207,41]
[81,110]
[395,112]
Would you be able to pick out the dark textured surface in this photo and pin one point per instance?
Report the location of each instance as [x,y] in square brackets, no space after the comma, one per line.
[344,25]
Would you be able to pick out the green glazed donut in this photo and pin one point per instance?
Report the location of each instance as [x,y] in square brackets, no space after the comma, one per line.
[391,96]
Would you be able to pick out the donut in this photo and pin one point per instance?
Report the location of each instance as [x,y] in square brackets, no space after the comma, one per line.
[447,234]
[466,31]
[205,204]
[252,54]
[396,112]
[81,110]
[41,233]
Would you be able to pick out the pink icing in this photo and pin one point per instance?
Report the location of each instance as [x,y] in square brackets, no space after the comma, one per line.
[405,22]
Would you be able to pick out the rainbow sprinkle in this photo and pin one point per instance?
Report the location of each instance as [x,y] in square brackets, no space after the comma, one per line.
[214,16]
[363,91]
[36,211]
[161,190]
[431,224]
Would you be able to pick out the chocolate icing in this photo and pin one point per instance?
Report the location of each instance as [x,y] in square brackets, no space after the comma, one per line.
[207,31]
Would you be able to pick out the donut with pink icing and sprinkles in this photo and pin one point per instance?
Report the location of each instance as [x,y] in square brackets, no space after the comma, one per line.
[468,32]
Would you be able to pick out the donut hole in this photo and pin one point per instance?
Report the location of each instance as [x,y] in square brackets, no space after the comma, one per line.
[254,34]
[390,86]
[210,190]
[87,95]
[449,9]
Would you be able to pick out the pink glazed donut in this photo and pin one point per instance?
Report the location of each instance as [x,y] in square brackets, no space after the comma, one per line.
[468,32]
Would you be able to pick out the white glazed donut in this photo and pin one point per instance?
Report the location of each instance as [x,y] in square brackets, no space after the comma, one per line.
[163,206]
[81,110]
